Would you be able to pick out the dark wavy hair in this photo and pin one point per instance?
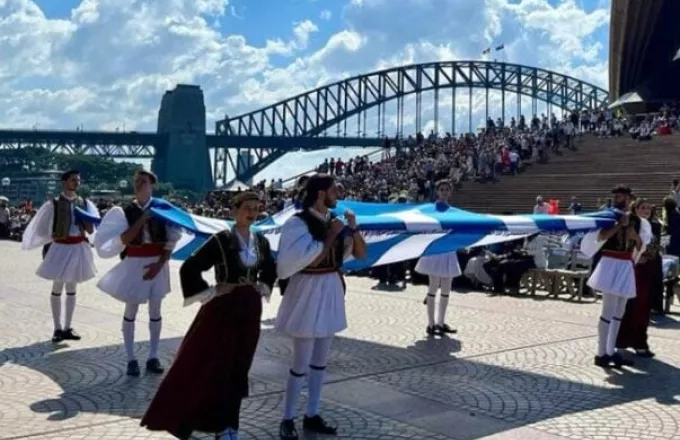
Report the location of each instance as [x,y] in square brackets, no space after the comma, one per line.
[315,184]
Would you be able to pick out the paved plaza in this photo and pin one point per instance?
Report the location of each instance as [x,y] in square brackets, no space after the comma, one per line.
[519,368]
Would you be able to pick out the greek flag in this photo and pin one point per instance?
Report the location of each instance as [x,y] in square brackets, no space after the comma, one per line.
[397,232]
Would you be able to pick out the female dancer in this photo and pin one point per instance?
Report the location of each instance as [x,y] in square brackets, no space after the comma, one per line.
[442,269]
[209,378]
[633,333]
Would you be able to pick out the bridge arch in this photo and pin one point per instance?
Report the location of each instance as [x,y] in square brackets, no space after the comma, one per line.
[312,113]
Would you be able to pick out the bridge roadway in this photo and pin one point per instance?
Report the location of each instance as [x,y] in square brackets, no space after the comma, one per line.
[519,368]
[142,144]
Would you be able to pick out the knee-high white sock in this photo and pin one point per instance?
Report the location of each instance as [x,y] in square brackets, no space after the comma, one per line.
[129,338]
[314,385]
[154,327]
[431,297]
[609,308]
[614,327]
[293,387]
[619,310]
[443,300]
[154,337]
[70,308]
[443,304]
[430,309]
[55,304]
[602,335]
[302,357]
[317,372]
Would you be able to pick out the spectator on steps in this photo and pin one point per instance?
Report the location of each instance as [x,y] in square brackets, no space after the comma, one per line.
[541,207]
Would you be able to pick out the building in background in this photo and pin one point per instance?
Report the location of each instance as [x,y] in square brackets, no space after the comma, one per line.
[37,186]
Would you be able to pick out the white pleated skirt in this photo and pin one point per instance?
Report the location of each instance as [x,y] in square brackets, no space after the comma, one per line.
[68,263]
[442,265]
[614,277]
[313,306]
[126,283]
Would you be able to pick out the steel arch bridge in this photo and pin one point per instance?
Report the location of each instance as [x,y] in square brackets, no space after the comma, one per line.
[314,113]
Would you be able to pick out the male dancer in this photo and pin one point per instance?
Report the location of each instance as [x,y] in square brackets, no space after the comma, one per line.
[313,246]
[145,245]
[67,256]
[441,269]
[614,274]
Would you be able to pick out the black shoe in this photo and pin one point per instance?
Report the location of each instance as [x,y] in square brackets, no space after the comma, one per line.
[444,328]
[70,335]
[154,366]
[603,361]
[287,430]
[620,361]
[431,331]
[133,369]
[58,336]
[318,425]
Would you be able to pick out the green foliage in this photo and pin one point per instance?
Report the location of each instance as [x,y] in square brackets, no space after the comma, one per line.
[97,172]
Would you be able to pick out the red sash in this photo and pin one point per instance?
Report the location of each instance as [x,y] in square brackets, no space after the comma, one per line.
[145,250]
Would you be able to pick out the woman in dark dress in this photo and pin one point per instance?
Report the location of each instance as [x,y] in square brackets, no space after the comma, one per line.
[633,332]
[204,387]
[672,220]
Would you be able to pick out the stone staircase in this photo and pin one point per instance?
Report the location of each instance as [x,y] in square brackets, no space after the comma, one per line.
[589,174]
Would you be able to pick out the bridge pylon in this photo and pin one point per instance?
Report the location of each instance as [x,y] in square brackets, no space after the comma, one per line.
[184,159]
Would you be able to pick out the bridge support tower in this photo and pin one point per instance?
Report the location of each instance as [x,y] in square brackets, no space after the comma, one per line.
[184,160]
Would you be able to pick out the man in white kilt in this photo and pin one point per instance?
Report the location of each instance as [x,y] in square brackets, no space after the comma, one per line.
[67,255]
[615,251]
[144,245]
[313,245]
[441,269]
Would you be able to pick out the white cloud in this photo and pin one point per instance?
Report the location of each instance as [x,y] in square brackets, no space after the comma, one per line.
[110,61]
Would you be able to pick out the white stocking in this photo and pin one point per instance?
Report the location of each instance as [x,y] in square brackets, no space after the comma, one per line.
[302,356]
[317,370]
[444,299]
[613,307]
[70,304]
[619,311]
[129,317]
[55,303]
[435,282]
[154,327]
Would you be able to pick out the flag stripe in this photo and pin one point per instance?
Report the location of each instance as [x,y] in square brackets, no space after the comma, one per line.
[397,232]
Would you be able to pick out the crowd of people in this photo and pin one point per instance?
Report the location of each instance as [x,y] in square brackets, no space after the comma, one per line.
[408,170]
[210,371]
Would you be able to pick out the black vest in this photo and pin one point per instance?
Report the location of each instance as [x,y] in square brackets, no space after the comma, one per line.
[157,230]
[319,229]
[62,218]
[231,269]
[619,242]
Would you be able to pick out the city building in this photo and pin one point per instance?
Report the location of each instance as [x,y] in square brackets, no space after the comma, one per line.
[37,186]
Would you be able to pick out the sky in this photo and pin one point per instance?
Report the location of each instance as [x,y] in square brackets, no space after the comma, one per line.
[105,64]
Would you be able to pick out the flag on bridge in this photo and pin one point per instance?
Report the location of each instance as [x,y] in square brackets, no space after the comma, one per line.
[486,51]
[501,47]
[394,232]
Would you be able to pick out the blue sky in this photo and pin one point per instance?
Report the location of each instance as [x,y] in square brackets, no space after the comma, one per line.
[105,64]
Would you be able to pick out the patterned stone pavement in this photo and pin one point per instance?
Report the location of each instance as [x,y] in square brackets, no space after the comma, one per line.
[519,368]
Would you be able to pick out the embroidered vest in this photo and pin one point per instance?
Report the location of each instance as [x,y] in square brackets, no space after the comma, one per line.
[619,242]
[63,216]
[232,270]
[319,230]
[157,231]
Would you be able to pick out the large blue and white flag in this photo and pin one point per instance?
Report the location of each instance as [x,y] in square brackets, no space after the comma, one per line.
[398,232]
